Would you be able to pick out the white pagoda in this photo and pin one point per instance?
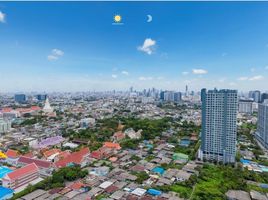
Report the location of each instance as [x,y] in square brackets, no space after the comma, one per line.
[47,109]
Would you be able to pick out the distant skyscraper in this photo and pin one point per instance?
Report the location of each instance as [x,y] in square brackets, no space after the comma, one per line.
[131,89]
[262,130]
[41,97]
[264,96]
[177,96]
[255,95]
[162,95]
[20,98]
[219,112]
[169,96]
[186,90]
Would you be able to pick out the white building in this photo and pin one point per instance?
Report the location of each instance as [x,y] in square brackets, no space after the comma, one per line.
[5,125]
[87,122]
[245,106]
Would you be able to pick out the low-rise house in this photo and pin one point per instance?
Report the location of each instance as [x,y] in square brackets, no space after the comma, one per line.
[255,195]
[112,145]
[117,195]
[133,134]
[119,136]
[180,157]
[51,152]
[182,175]
[103,152]
[237,195]
[12,157]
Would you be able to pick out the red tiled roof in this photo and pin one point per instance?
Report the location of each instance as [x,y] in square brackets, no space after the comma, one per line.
[96,154]
[64,154]
[6,109]
[75,157]
[132,197]
[29,155]
[39,163]
[76,186]
[111,189]
[34,108]
[51,152]
[31,168]
[12,153]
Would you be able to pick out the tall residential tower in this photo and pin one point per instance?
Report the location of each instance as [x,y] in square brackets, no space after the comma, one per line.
[262,130]
[219,112]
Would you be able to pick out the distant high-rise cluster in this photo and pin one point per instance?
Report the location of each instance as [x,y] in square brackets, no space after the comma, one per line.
[219,112]
[170,96]
[257,96]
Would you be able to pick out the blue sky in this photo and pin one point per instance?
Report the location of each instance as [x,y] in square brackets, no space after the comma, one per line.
[67,46]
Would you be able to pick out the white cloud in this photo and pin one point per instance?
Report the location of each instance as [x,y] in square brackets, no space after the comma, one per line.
[114,76]
[125,73]
[145,78]
[253,78]
[2,17]
[52,57]
[185,73]
[256,78]
[199,71]
[148,46]
[243,78]
[55,54]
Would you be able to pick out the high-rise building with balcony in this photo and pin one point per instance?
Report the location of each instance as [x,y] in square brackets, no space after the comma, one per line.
[219,112]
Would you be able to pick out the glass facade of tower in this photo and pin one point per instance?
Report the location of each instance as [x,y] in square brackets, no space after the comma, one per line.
[219,112]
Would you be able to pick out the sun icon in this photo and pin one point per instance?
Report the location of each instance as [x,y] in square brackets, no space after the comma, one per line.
[117,18]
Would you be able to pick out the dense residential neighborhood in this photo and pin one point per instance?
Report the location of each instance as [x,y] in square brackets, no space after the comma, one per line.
[114,146]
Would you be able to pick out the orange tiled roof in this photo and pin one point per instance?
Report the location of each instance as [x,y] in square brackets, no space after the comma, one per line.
[112,145]
[77,185]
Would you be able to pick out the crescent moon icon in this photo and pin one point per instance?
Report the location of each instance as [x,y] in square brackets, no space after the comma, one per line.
[150,18]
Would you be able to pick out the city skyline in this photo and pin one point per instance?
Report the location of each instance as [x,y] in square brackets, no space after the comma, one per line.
[60,49]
